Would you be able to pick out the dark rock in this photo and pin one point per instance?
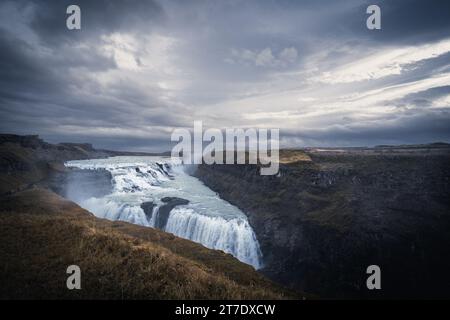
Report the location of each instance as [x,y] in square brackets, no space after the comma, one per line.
[164,169]
[164,210]
[175,201]
[148,208]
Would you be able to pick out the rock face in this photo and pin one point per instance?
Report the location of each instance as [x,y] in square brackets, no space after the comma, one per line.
[174,201]
[164,210]
[321,223]
[148,208]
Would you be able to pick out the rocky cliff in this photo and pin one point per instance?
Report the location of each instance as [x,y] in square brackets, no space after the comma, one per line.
[331,213]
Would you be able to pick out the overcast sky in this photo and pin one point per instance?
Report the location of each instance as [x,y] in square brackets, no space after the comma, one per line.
[138,69]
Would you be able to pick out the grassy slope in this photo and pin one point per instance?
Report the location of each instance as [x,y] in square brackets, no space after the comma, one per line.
[41,234]
[21,170]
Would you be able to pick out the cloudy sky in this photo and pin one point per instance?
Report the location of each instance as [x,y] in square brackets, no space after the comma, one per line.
[138,69]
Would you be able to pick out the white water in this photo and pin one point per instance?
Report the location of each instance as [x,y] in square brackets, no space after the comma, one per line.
[207,219]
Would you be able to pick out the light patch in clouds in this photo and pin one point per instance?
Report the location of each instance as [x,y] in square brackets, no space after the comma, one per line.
[123,49]
[150,52]
[264,58]
[306,99]
[267,115]
[441,102]
[391,93]
[391,61]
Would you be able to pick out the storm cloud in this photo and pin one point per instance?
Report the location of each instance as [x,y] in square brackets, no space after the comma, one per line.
[138,69]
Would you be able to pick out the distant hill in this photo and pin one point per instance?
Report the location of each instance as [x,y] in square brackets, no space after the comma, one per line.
[416,146]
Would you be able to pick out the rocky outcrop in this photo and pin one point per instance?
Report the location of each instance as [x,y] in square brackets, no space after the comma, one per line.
[148,207]
[164,210]
[321,223]
[174,201]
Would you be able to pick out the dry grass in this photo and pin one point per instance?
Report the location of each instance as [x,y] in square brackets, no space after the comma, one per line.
[41,234]
[293,156]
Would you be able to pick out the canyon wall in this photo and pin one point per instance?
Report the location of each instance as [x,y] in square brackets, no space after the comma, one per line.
[329,215]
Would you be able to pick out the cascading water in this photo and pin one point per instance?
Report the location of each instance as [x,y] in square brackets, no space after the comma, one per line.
[203,218]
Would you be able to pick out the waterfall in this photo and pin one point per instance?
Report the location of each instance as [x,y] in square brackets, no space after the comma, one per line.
[234,236]
[201,216]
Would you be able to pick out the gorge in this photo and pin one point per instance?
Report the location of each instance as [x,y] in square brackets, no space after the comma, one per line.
[157,192]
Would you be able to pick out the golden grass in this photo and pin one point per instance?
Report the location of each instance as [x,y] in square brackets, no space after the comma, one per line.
[293,156]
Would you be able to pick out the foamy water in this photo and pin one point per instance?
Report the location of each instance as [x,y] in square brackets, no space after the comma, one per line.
[207,219]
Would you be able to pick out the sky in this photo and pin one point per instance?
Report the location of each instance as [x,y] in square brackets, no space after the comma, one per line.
[139,69]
